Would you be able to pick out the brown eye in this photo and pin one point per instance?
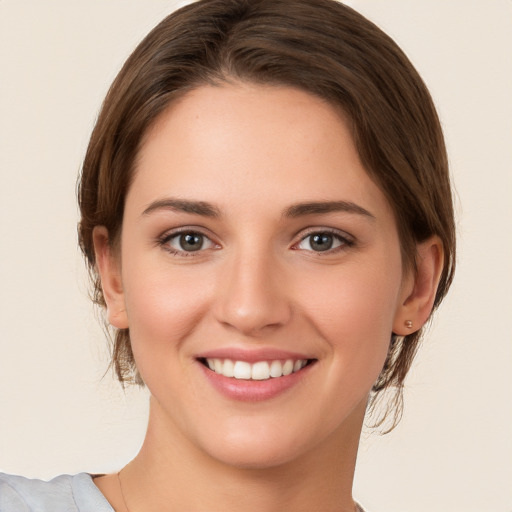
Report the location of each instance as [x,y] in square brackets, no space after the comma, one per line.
[323,241]
[187,242]
[191,242]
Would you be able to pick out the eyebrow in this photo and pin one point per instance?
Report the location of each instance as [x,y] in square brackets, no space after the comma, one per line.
[206,209]
[182,205]
[323,207]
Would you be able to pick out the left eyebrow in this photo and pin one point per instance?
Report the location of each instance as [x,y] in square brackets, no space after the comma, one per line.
[323,207]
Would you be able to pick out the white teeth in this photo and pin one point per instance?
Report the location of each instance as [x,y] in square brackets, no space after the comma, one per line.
[217,365]
[276,369]
[262,370]
[242,370]
[228,368]
[288,367]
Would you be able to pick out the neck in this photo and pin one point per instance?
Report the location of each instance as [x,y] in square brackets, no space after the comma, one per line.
[170,473]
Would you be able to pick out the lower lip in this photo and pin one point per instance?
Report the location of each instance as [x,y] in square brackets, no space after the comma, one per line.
[253,390]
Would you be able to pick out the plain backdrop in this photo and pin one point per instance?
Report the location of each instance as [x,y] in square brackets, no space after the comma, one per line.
[452,451]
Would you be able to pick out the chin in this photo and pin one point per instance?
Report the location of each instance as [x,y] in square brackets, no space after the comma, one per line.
[257,456]
[262,446]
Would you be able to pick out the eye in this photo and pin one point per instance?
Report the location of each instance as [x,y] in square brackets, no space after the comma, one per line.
[323,241]
[187,242]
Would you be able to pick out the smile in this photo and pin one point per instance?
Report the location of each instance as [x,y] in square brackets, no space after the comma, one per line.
[260,370]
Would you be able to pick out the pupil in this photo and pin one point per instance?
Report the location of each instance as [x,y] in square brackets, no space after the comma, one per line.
[321,242]
[191,242]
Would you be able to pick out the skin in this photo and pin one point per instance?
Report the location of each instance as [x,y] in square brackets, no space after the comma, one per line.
[253,153]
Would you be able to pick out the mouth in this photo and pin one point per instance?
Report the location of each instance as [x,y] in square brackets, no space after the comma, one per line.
[257,371]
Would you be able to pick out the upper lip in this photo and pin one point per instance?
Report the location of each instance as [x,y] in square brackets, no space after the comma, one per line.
[251,356]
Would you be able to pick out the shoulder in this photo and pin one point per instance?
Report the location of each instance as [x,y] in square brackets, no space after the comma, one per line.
[22,494]
[64,493]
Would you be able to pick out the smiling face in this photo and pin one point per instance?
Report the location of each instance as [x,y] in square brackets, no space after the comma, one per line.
[253,245]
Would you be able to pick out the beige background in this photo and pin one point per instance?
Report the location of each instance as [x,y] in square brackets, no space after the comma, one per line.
[453,450]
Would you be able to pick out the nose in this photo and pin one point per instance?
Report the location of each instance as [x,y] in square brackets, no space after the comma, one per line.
[252,296]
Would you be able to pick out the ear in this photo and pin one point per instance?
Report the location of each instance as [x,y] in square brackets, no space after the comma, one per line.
[420,287]
[109,268]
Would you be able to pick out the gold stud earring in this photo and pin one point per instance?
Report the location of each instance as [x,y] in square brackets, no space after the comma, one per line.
[408,324]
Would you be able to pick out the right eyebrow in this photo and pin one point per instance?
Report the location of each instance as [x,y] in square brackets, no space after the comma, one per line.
[182,205]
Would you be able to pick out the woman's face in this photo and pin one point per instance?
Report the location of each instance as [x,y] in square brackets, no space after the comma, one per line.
[255,243]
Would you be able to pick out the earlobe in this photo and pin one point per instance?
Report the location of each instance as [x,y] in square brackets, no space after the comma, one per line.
[109,269]
[419,295]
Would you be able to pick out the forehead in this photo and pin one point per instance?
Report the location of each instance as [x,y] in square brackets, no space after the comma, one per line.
[254,141]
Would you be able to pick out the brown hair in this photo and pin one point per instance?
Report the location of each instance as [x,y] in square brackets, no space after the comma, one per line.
[320,46]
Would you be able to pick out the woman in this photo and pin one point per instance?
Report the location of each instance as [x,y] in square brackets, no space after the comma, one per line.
[267,215]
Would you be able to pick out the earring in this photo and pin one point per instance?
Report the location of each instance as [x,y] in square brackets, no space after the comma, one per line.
[408,324]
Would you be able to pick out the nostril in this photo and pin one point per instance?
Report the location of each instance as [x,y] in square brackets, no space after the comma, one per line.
[251,301]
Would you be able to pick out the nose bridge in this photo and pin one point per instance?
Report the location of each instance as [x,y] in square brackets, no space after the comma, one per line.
[252,295]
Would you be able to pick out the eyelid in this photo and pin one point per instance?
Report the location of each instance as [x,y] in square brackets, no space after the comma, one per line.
[346,239]
[164,239]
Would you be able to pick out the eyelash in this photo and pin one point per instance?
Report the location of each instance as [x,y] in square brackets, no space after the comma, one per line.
[344,240]
[165,240]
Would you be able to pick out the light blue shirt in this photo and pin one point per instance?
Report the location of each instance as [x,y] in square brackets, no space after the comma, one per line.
[65,493]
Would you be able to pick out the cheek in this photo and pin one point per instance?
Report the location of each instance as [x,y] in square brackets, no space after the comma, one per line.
[355,295]
[353,310]
[162,307]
